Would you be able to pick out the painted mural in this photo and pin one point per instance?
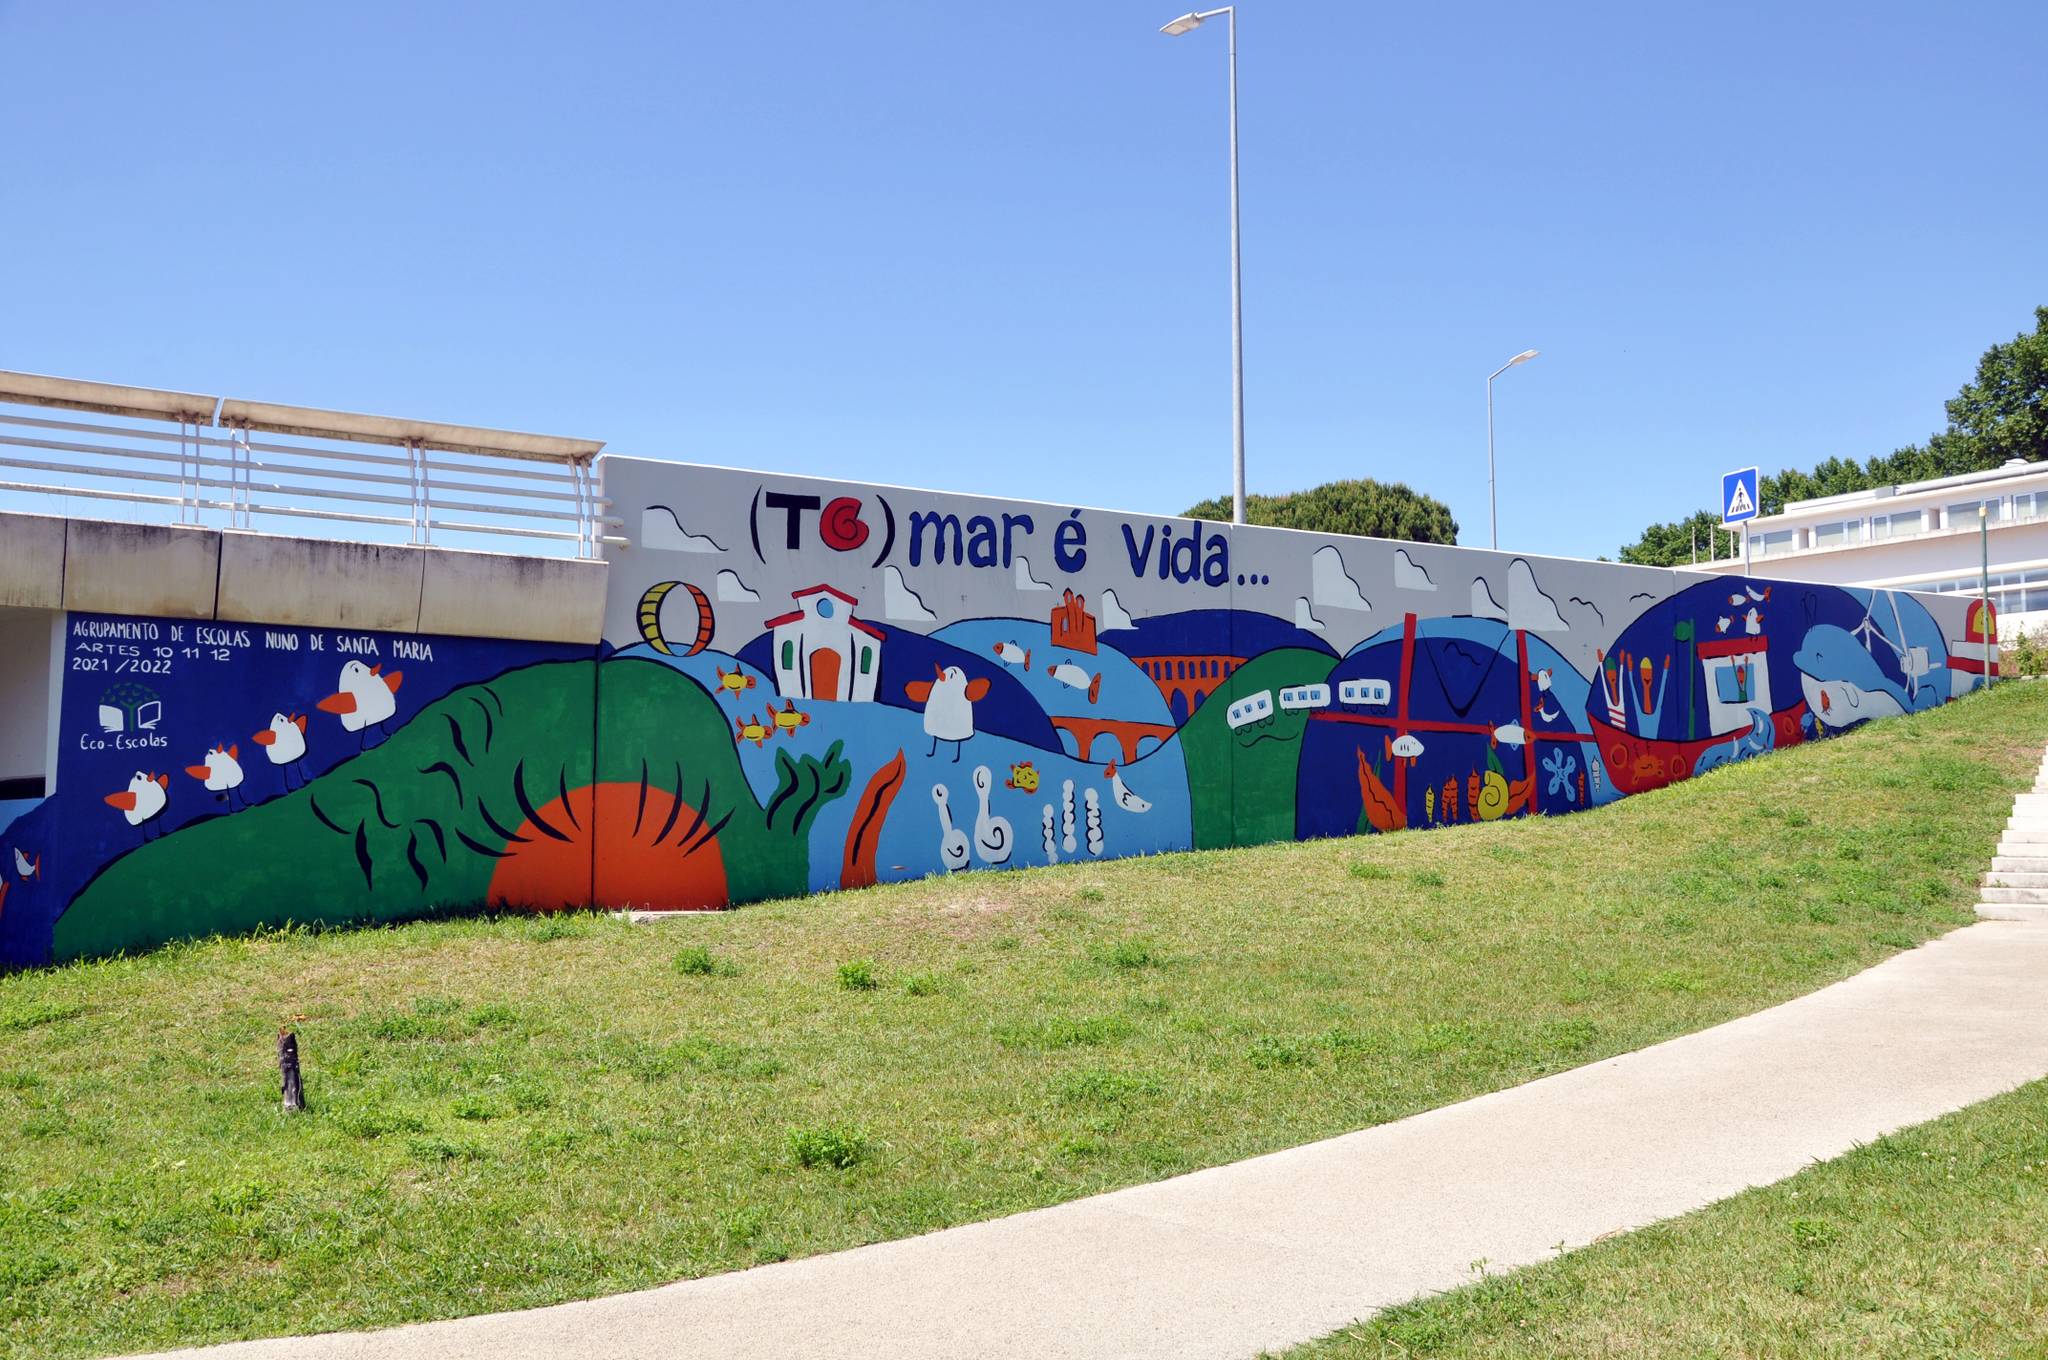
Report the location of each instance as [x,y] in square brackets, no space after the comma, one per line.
[809,685]
[1017,684]
[220,776]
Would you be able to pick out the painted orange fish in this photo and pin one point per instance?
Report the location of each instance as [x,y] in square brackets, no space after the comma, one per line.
[754,730]
[788,720]
[733,681]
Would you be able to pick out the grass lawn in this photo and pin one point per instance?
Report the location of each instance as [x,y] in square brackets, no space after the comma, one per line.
[515,1111]
[1926,1243]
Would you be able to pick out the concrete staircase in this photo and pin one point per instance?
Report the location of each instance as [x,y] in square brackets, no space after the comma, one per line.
[2016,888]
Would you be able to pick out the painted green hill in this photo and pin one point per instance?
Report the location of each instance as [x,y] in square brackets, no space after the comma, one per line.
[1241,784]
[490,774]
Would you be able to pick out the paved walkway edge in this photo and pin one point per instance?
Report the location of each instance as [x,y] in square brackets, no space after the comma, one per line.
[1280,1249]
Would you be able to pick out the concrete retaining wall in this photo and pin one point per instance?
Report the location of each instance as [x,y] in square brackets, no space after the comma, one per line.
[166,572]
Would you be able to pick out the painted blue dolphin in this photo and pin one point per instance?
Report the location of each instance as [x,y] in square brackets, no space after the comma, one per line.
[1843,683]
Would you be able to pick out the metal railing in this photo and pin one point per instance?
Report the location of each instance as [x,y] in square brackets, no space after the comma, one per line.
[192,459]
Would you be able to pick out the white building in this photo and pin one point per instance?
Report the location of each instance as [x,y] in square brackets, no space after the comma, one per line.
[1918,536]
[822,651]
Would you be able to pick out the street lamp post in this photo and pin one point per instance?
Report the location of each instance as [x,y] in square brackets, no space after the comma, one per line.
[1492,505]
[1185,24]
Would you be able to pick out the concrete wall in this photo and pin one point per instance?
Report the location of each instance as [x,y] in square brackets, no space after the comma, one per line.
[24,698]
[170,572]
[790,685]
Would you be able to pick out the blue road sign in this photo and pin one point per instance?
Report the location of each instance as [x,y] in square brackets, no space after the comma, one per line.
[1738,495]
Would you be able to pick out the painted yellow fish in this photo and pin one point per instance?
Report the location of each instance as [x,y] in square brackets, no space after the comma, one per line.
[754,730]
[733,681]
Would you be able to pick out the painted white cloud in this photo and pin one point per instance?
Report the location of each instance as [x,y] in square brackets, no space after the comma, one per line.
[1111,613]
[1409,576]
[1529,605]
[659,528]
[1484,606]
[731,587]
[1304,616]
[1025,580]
[899,601]
[1330,584]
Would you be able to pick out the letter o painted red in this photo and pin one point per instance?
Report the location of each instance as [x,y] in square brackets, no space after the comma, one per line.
[841,525]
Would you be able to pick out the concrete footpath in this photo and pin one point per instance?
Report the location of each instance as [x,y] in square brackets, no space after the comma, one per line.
[1287,1247]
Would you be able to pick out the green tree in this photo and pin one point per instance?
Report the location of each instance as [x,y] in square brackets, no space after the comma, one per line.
[2001,415]
[1356,506]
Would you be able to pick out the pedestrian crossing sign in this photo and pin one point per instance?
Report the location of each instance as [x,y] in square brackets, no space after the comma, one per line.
[1738,496]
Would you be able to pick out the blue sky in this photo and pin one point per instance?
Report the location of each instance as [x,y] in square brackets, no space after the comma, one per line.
[984,247]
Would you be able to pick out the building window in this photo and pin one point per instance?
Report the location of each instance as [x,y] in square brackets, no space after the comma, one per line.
[1776,543]
[1964,515]
[789,654]
[1836,534]
[867,660]
[1898,524]
[2029,505]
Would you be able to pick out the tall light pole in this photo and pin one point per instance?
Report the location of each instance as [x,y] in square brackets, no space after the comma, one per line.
[1187,23]
[1492,505]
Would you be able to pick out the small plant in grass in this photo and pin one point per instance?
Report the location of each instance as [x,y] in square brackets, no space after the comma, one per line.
[1099,1086]
[558,926]
[1090,894]
[528,1096]
[836,1147]
[494,1016]
[1268,1051]
[1813,1234]
[858,976]
[1065,1032]
[553,1140]
[1427,878]
[474,1108]
[922,984]
[742,1227]
[432,1149]
[1130,955]
[1822,915]
[697,961]
[399,1027]
[1572,1034]
[1080,1149]
[2022,653]
[375,1123]
[1370,873]
[30,1014]
[240,1198]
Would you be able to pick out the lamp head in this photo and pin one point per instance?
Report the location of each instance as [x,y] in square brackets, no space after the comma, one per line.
[1187,23]
[1524,357]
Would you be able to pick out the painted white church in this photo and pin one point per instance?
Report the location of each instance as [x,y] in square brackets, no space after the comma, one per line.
[822,651]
